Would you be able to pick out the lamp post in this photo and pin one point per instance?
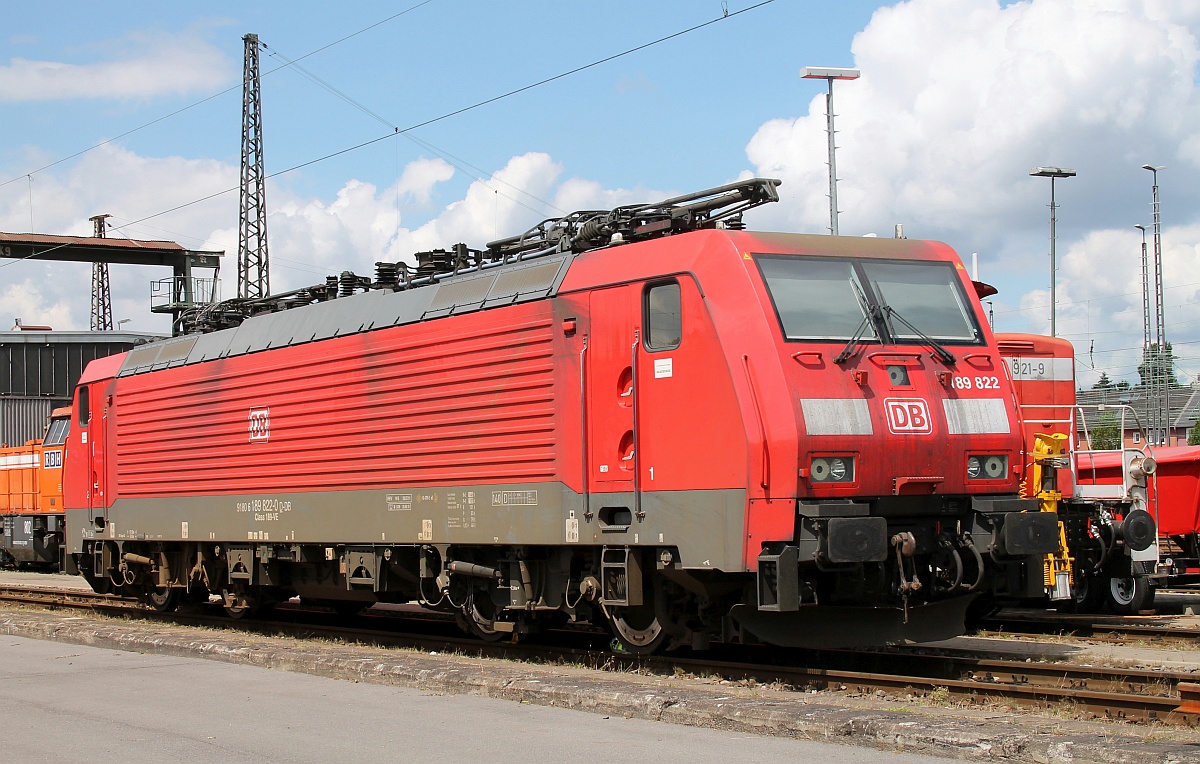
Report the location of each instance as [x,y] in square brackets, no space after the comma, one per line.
[1052,173]
[830,74]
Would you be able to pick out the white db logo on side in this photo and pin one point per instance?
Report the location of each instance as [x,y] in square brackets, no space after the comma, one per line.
[260,425]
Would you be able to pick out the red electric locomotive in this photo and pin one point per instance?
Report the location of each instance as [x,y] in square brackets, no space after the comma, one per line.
[645,415]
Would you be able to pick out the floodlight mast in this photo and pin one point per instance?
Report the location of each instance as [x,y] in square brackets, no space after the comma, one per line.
[1052,173]
[830,74]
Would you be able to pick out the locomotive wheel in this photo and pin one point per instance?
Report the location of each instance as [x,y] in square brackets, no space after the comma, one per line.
[479,618]
[1129,595]
[238,612]
[656,624]
[1087,595]
[637,628]
[244,606]
[162,599]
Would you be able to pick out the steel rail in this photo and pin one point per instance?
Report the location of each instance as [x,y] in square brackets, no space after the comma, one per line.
[1107,629]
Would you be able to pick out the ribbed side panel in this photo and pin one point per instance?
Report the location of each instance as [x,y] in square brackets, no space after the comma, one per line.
[451,401]
[19,479]
[23,419]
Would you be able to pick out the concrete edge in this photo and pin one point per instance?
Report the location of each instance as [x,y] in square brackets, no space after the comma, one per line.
[961,735]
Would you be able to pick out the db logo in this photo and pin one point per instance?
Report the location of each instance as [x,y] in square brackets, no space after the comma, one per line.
[260,425]
[909,416]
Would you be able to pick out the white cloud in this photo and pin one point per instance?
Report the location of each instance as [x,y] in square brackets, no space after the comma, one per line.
[116,181]
[156,64]
[421,176]
[310,238]
[25,302]
[959,98]
[1101,296]
[492,209]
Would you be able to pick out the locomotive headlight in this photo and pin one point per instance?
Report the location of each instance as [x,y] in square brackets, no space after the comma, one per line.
[837,469]
[987,467]
[832,469]
[820,470]
[995,467]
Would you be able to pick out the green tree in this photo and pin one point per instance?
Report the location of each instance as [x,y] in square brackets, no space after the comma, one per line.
[1194,434]
[1103,383]
[1153,361]
[1106,435]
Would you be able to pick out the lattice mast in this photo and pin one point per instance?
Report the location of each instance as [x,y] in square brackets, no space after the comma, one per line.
[1162,372]
[253,268]
[1148,347]
[101,320]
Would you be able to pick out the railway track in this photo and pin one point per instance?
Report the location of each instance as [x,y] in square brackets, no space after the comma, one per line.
[1147,631]
[1104,692]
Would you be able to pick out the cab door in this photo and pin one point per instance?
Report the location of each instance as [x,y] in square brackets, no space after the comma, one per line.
[91,422]
[690,433]
[612,348]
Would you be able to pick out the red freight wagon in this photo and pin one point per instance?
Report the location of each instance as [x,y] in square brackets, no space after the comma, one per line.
[646,416]
[1174,492]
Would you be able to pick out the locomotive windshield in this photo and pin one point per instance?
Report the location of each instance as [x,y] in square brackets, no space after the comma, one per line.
[816,298]
[833,298]
[56,435]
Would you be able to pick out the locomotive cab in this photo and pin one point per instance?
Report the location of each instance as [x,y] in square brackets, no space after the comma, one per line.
[908,452]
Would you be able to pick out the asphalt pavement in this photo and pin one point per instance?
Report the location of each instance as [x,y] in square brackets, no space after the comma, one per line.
[68,702]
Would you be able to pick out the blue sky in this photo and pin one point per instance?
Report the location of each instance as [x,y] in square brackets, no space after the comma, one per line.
[958,100]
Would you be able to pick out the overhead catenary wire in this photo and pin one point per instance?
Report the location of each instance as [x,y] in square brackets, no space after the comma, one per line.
[478,174]
[464,109]
[1067,303]
[205,100]
[456,112]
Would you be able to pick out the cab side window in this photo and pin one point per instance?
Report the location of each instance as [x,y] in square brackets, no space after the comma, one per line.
[664,316]
[84,409]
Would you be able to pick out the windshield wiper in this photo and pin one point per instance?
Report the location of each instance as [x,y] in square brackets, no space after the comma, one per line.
[869,316]
[942,353]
